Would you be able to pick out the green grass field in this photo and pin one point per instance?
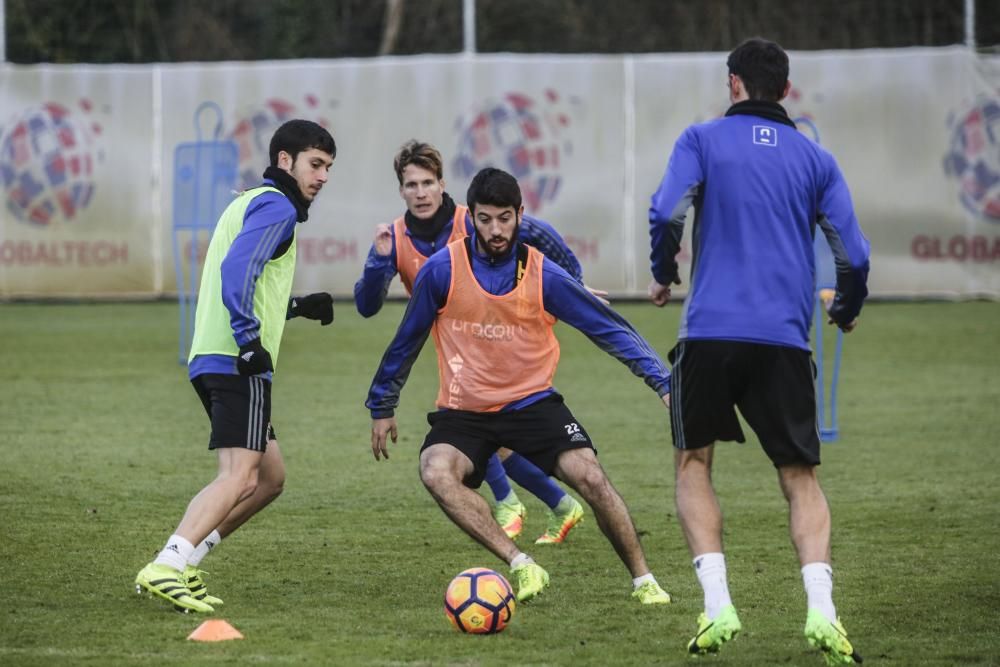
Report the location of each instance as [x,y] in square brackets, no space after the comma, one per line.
[104,443]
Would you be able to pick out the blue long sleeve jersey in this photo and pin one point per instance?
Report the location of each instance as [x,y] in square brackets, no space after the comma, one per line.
[371,289]
[562,296]
[759,188]
[269,223]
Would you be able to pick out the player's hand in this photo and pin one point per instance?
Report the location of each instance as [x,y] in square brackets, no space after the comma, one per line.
[666,400]
[828,298]
[318,306]
[660,294]
[253,359]
[846,328]
[383,240]
[380,429]
[602,295]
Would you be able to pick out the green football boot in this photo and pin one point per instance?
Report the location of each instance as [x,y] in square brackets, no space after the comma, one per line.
[530,579]
[651,593]
[713,633]
[831,638]
[195,584]
[561,521]
[165,582]
[510,516]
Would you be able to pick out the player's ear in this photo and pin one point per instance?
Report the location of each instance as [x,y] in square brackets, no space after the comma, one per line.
[784,93]
[285,161]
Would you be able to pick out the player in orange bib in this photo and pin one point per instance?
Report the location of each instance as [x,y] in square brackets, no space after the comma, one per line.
[491,302]
[431,221]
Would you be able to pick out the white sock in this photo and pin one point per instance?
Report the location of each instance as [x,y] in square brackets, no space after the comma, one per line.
[711,571]
[639,581]
[510,499]
[520,559]
[202,550]
[564,505]
[176,553]
[818,580]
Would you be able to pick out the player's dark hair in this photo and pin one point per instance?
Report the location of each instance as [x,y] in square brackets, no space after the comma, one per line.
[421,155]
[763,68]
[299,135]
[494,187]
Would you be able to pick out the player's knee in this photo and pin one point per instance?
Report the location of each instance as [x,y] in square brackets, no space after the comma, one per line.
[274,487]
[693,461]
[591,481]
[443,466]
[434,472]
[798,480]
[247,481]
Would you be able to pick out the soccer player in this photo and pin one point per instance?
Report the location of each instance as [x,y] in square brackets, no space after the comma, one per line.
[759,190]
[491,303]
[432,220]
[242,307]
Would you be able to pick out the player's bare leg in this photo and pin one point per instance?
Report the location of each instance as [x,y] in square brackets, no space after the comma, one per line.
[581,470]
[808,513]
[270,484]
[697,506]
[235,482]
[442,469]
[701,520]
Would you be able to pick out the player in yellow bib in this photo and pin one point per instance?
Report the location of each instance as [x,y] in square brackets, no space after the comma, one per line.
[243,302]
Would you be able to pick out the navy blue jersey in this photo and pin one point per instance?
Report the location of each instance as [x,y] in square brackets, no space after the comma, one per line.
[759,189]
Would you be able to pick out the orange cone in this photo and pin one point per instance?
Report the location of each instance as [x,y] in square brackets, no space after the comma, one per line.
[215,630]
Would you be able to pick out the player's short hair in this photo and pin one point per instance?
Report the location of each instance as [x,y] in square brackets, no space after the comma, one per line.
[420,154]
[493,187]
[299,135]
[762,66]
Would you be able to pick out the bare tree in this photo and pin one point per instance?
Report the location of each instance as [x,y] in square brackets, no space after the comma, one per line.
[390,31]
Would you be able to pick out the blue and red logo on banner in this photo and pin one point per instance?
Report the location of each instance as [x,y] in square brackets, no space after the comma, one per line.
[520,134]
[973,157]
[47,160]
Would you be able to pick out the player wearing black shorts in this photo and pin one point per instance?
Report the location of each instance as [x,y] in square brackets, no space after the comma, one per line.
[759,189]
[491,304]
[243,302]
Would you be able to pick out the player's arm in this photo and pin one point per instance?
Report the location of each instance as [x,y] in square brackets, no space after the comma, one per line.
[380,268]
[851,250]
[430,290]
[668,208]
[269,224]
[569,301]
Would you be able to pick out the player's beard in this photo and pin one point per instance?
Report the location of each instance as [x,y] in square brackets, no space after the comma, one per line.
[496,255]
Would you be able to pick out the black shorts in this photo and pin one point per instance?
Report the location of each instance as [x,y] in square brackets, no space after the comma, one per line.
[539,432]
[772,385]
[239,408]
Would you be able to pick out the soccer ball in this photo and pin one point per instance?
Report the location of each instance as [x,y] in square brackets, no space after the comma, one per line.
[479,601]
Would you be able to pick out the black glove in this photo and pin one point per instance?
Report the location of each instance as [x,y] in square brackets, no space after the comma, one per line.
[253,359]
[318,306]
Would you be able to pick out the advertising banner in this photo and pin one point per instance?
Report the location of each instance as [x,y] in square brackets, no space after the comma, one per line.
[111,177]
